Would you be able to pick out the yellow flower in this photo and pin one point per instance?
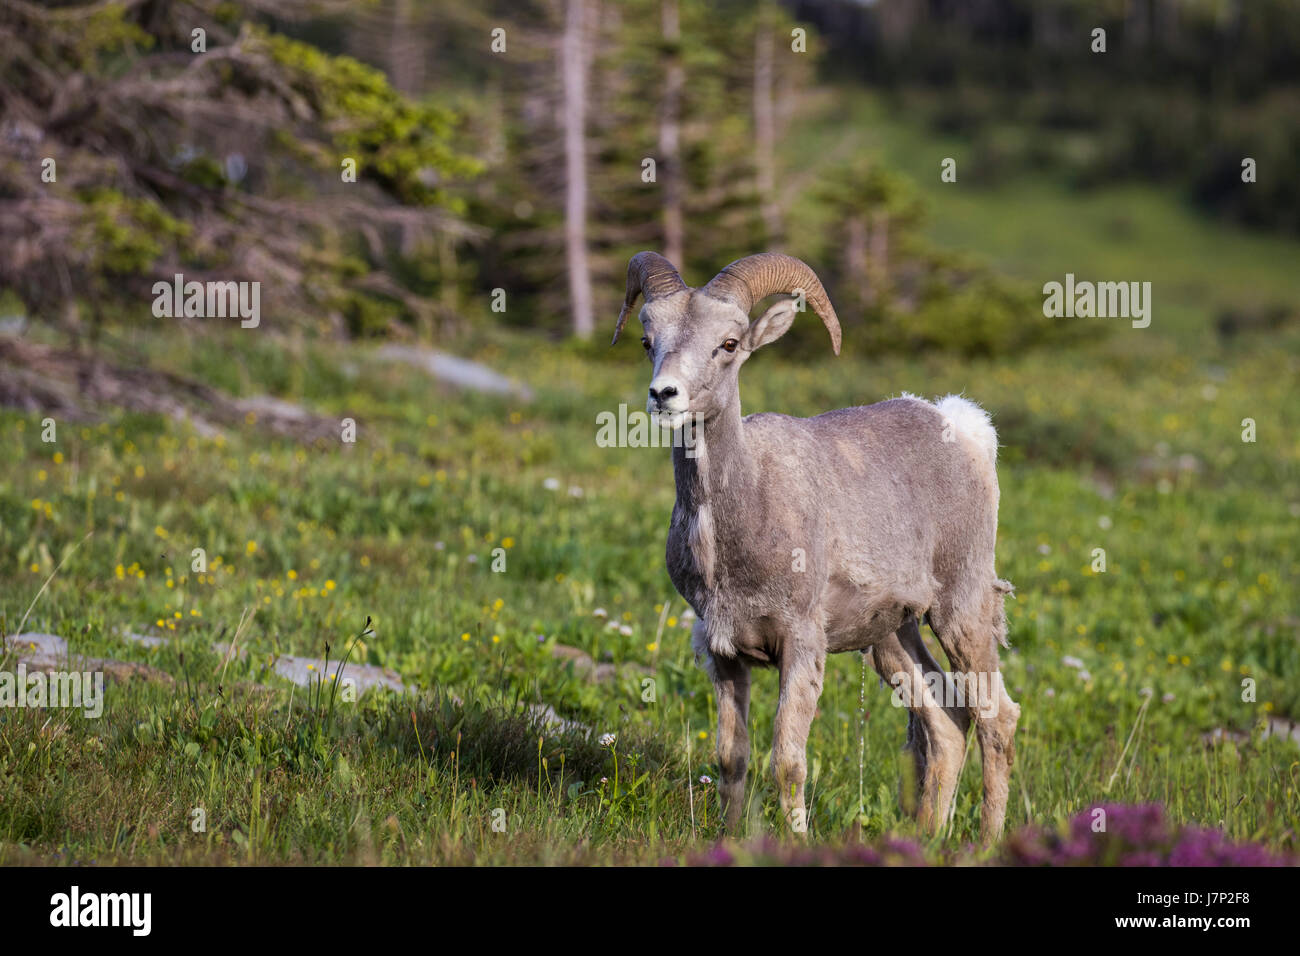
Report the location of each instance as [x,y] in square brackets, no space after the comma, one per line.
[251,547]
[507,542]
[35,567]
[365,561]
[703,735]
[160,622]
[496,638]
[652,647]
[498,604]
[292,575]
[465,636]
[58,457]
[672,622]
[329,585]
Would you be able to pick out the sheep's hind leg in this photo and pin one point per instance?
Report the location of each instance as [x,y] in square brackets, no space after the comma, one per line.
[971,643]
[936,732]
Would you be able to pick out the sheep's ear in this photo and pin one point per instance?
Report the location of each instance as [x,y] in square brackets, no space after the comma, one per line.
[770,326]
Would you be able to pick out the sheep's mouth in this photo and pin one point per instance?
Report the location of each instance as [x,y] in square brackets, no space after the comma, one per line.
[667,418]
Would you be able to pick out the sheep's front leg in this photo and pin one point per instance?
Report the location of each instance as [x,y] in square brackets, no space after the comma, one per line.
[731,688]
[802,669]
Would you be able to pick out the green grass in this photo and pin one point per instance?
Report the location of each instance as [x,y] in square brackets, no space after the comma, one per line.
[1198,594]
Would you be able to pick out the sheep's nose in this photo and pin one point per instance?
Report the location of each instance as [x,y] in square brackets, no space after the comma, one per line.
[662,395]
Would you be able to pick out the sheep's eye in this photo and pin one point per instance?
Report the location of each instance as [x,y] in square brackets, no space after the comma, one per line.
[645,342]
[730,345]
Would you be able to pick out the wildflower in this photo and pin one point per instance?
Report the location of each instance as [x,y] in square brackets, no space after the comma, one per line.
[600,612]
[551,484]
[1069,661]
[706,779]
[251,547]
[607,740]
[625,630]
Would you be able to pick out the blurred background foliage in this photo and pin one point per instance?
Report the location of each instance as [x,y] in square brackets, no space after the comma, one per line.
[227,163]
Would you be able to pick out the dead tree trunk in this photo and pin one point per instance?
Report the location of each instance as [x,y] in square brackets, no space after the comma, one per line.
[670,134]
[573,74]
[765,131]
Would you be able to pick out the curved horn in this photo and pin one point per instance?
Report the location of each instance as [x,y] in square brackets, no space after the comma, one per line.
[747,280]
[650,274]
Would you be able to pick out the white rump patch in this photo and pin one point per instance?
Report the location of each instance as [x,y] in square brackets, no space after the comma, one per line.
[972,421]
[967,419]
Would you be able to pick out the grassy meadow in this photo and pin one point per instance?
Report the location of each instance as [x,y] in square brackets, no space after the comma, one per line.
[1129,440]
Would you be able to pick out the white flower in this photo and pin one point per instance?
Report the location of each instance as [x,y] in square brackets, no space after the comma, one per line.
[1104,522]
[706,779]
[1168,698]
[625,630]
[1069,661]
[551,484]
[575,491]
[1084,675]
[607,740]
[1049,692]
[1044,549]
[600,612]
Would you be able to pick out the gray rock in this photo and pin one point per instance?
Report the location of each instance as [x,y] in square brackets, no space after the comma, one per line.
[460,372]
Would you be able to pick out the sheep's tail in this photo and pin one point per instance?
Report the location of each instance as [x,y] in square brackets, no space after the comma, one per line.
[972,421]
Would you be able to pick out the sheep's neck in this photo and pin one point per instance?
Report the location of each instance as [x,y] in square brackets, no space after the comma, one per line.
[717,464]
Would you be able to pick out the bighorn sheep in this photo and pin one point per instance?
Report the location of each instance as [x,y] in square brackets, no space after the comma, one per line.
[793,538]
